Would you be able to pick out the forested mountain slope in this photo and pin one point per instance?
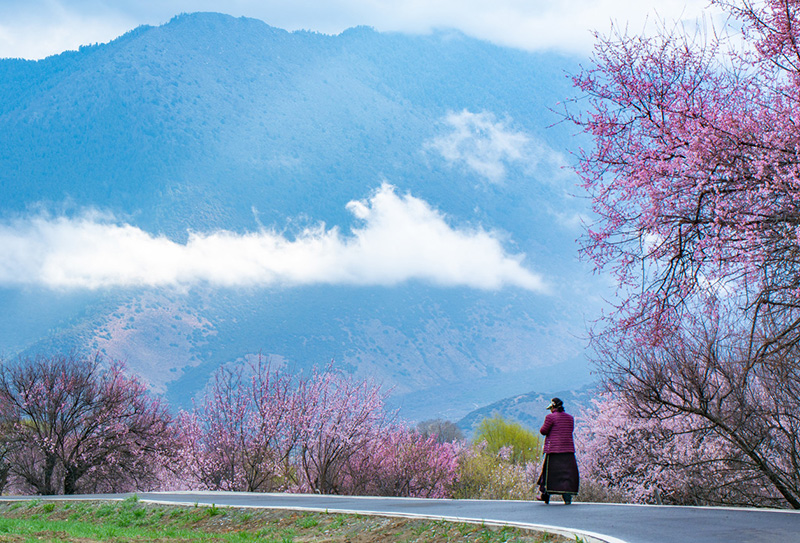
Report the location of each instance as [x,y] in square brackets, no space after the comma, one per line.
[212,123]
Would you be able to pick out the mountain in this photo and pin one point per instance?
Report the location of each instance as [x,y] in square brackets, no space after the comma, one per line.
[213,124]
[530,409]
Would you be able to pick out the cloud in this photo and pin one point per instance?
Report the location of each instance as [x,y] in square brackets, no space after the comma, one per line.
[565,25]
[481,144]
[399,238]
[40,28]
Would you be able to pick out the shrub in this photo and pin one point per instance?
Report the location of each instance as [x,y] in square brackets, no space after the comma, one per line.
[508,438]
[483,475]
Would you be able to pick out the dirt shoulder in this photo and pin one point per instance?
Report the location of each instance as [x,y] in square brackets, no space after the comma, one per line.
[131,520]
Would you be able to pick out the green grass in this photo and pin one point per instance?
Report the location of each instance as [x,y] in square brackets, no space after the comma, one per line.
[308,522]
[134,521]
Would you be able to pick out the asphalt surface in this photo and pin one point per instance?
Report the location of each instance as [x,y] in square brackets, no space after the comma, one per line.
[593,522]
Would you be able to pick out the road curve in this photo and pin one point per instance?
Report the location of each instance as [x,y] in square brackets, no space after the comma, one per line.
[593,522]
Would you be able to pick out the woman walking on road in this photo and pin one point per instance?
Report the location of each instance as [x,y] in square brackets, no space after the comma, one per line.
[560,470]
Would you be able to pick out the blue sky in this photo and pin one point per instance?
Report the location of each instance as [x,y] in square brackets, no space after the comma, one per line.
[38,28]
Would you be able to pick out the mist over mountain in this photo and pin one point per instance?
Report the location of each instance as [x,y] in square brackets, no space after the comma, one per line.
[195,194]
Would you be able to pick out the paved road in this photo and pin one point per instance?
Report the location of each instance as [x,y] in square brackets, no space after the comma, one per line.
[594,522]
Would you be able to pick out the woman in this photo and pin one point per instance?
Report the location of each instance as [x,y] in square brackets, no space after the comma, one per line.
[560,470]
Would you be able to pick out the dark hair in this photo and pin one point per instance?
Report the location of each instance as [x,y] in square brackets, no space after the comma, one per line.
[557,404]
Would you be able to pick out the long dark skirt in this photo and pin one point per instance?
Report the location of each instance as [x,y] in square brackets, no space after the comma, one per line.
[559,474]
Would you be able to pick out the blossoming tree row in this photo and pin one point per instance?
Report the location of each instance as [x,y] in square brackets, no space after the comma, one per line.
[72,424]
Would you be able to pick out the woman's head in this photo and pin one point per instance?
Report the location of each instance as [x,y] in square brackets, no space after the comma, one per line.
[556,405]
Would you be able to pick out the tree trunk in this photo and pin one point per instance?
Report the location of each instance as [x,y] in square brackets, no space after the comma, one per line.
[71,481]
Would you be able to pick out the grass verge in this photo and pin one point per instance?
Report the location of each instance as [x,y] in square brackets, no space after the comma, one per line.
[135,521]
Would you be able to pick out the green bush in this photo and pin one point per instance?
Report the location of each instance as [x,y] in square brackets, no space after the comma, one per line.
[501,464]
[487,476]
[509,439]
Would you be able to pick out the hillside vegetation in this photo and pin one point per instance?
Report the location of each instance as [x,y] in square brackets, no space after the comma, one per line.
[212,123]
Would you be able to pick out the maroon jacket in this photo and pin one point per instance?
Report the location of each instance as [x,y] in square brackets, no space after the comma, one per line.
[557,429]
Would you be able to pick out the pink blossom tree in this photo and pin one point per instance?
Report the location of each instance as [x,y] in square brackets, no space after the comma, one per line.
[73,426]
[263,429]
[243,433]
[695,172]
[403,462]
[695,179]
[676,460]
[338,417]
[707,381]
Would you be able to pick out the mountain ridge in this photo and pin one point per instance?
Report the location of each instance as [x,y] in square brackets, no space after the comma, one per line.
[214,123]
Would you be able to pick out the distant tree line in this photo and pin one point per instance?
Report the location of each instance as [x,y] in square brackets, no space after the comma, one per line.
[74,424]
[78,424]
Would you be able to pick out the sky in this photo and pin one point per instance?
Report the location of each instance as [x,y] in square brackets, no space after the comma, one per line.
[34,29]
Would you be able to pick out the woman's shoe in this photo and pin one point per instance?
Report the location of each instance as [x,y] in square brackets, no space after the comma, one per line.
[567,499]
[544,497]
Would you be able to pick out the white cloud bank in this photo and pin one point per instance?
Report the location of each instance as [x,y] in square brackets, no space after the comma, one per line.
[401,238]
[36,28]
[486,146]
